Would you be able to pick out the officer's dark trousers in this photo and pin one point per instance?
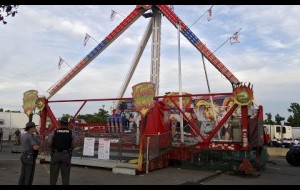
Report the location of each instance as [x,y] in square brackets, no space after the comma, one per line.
[28,167]
[60,161]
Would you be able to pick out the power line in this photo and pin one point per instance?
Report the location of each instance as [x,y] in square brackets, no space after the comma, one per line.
[94,39]
[201,16]
[61,61]
[227,40]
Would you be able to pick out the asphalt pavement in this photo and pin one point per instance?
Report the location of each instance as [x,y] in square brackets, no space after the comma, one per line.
[278,172]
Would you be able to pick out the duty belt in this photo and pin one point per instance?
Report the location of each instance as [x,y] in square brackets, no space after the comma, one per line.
[63,151]
[28,152]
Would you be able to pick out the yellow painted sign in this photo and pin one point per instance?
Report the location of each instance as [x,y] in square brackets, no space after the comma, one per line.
[143,94]
[242,95]
[186,101]
[29,101]
[41,102]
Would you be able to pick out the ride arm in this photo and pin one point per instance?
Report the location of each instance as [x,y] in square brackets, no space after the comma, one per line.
[131,18]
[175,20]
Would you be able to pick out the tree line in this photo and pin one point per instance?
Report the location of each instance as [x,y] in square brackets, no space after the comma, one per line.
[2,110]
[293,120]
[96,118]
[102,115]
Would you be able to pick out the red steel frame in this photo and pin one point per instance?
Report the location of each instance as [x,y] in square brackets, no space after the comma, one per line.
[174,19]
[206,141]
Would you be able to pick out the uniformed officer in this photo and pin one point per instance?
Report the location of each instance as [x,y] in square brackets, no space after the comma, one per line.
[29,145]
[61,141]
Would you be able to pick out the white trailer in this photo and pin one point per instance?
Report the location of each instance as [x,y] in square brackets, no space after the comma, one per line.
[10,122]
[296,132]
[279,132]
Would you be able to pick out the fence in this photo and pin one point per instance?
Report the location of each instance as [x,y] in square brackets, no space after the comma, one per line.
[122,147]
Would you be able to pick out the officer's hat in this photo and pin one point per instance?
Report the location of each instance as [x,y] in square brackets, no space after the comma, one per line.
[64,120]
[29,125]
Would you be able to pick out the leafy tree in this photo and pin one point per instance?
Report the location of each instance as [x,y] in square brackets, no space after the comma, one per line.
[294,120]
[99,118]
[278,119]
[269,119]
[67,115]
[10,10]
[1,110]
[103,115]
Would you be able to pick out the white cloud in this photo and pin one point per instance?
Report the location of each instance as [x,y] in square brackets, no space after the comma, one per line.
[267,55]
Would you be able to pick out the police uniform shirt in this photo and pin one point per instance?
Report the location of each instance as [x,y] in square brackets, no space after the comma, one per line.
[27,142]
[51,137]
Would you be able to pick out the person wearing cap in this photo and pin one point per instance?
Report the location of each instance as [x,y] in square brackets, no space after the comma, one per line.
[17,137]
[29,145]
[1,134]
[61,141]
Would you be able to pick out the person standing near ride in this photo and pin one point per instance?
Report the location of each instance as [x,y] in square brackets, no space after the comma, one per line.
[29,145]
[1,134]
[18,136]
[61,141]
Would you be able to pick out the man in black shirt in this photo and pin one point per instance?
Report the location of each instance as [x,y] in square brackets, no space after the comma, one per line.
[61,141]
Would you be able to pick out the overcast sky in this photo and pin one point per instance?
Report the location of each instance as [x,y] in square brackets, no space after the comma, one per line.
[267,56]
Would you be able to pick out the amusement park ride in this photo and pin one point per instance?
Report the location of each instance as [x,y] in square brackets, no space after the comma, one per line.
[217,130]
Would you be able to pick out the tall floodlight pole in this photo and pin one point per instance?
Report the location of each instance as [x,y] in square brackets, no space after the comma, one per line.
[155,50]
[180,86]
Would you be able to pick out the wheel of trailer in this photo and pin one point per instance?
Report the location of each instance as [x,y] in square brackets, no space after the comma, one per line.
[289,158]
[296,159]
